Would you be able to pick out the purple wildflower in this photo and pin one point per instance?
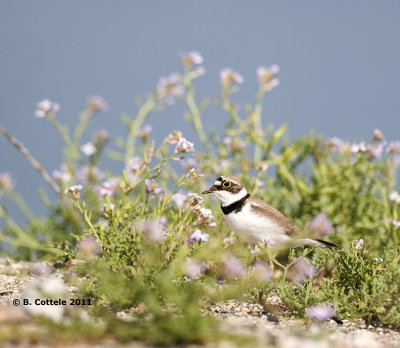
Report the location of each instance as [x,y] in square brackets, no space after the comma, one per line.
[375,150]
[173,137]
[75,190]
[199,236]
[359,243]
[233,267]
[107,188]
[107,209]
[87,173]
[195,269]
[96,103]
[336,144]
[254,249]
[321,225]
[360,147]
[194,201]
[180,198]
[189,163]
[184,145]
[154,230]
[377,135]
[88,149]
[62,175]
[269,242]
[199,71]
[193,174]
[302,270]
[229,240]
[46,108]
[393,147]
[100,137]
[144,132]
[153,188]
[134,164]
[266,77]
[262,168]
[6,181]
[169,88]
[229,77]
[191,58]
[321,312]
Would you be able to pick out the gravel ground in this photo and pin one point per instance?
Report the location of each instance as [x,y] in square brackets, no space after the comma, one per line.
[262,329]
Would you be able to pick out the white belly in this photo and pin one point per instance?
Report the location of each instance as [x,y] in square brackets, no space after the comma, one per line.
[254,228]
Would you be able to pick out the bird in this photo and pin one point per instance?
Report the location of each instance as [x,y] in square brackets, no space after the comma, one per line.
[256,221]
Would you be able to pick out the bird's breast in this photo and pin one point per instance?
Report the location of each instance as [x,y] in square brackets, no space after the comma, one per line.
[255,228]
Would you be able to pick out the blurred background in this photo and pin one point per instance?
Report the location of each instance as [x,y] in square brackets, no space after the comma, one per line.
[339,67]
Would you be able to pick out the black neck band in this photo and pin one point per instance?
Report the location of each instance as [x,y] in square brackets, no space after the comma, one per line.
[235,206]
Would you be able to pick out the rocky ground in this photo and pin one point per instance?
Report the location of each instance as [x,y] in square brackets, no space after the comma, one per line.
[21,280]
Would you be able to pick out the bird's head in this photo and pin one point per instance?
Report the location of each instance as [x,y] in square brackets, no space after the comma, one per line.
[227,189]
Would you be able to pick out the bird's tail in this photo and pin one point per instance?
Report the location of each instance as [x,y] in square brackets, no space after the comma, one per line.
[324,244]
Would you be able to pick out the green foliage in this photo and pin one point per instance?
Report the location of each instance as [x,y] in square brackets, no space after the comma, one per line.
[135,229]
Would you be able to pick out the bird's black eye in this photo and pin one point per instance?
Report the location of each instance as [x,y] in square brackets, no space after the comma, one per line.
[226,184]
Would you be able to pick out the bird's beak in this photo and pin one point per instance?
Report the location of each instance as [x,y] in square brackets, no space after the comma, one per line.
[210,190]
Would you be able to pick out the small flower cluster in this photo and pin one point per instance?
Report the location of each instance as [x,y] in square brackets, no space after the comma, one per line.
[62,175]
[190,59]
[99,139]
[233,267]
[153,189]
[46,108]
[228,77]
[183,145]
[6,181]
[95,104]
[199,236]
[154,230]
[321,312]
[75,190]
[374,150]
[359,244]
[144,132]
[266,77]
[194,269]
[107,188]
[302,270]
[169,88]
[234,145]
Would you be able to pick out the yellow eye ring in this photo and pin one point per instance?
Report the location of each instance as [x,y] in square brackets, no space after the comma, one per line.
[226,184]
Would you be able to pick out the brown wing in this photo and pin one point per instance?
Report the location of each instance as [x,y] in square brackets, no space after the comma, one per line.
[261,208]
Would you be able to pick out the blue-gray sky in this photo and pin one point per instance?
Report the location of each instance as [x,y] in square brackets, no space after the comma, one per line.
[339,65]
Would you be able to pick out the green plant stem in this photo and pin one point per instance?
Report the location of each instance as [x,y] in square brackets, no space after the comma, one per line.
[257,124]
[135,125]
[195,111]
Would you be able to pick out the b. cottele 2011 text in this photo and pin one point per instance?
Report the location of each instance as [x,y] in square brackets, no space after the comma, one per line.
[58,302]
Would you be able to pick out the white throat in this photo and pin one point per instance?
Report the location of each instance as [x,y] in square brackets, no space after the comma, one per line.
[226,198]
